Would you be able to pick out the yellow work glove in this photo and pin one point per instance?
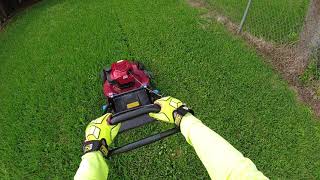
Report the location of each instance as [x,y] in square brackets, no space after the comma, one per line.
[172,110]
[99,135]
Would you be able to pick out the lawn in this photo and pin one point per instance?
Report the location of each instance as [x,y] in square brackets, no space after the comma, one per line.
[50,59]
[278,20]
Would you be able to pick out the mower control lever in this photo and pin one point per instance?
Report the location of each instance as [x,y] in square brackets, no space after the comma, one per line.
[126,116]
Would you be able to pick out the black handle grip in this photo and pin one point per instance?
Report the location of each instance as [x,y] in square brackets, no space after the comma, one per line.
[143,142]
[151,108]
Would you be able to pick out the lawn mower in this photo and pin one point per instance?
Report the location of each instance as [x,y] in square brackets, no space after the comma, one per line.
[130,96]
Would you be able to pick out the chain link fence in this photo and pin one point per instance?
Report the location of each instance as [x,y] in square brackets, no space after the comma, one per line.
[279,21]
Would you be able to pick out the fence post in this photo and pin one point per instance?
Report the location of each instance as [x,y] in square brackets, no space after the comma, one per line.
[244,17]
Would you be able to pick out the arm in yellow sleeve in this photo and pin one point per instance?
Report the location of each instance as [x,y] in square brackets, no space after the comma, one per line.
[220,158]
[93,166]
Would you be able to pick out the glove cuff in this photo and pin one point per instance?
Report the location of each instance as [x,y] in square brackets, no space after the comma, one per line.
[180,112]
[95,145]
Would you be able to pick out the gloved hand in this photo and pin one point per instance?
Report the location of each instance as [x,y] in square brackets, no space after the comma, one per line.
[172,110]
[99,135]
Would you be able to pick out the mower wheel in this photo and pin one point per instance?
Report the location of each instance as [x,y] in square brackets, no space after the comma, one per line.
[140,66]
[103,76]
[149,74]
[104,109]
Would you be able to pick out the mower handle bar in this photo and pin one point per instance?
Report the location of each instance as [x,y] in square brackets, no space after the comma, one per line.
[143,142]
[126,116]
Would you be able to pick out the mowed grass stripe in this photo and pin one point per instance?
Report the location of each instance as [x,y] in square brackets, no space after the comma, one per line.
[236,92]
[51,81]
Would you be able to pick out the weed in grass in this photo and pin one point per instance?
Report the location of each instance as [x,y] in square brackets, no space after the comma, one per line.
[312,73]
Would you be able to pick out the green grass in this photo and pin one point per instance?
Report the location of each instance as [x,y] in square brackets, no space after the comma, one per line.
[278,20]
[50,59]
[311,73]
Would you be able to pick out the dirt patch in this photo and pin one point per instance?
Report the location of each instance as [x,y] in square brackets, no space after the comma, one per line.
[310,35]
[290,61]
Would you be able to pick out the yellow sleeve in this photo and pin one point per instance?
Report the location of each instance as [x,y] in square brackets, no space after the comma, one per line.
[93,166]
[220,158]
